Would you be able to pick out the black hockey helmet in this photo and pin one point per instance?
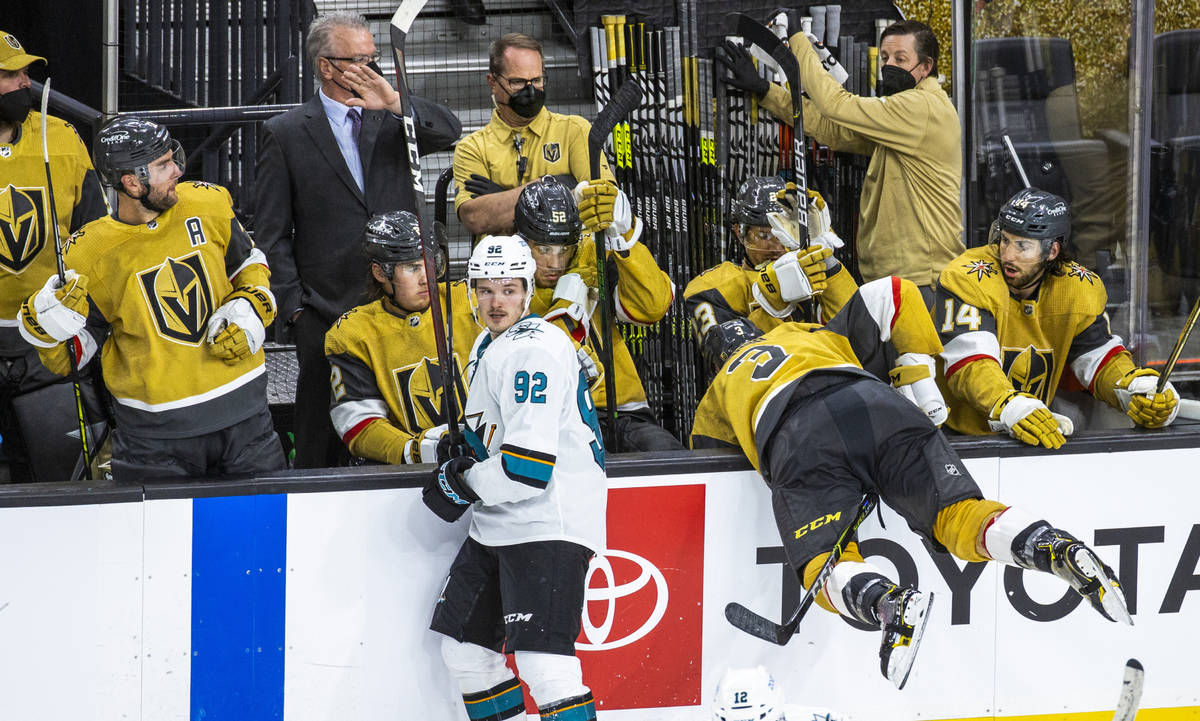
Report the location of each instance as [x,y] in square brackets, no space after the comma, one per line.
[756,198]
[128,145]
[722,340]
[546,213]
[1034,213]
[395,237]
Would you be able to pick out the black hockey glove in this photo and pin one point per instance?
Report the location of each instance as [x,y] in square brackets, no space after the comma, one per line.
[479,185]
[743,74]
[447,493]
[447,451]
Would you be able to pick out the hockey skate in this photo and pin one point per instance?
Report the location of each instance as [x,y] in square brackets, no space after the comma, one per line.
[1070,559]
[903,613]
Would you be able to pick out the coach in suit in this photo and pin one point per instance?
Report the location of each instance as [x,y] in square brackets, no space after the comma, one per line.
[323,169]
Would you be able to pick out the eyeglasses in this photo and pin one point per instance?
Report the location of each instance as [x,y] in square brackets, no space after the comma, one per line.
[357,59]
[516,85]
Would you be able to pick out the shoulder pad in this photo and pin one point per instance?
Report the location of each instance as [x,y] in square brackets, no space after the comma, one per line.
[975,277]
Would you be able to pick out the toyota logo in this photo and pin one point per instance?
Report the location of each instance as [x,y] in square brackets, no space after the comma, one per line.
[597,636]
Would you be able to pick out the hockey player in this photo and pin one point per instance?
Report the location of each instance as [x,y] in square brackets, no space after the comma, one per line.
[548,218]
[777,271]
[27,256]
[174,296]
[823,432]
[539,495]
[387,386]
[750,694]
[1015,314]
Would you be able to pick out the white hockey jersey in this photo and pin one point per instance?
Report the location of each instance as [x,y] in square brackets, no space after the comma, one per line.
[543,475]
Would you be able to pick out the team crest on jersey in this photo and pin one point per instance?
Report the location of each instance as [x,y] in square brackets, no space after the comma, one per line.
[1075,270]
[1029,369]
[552,152]
[420,389]
[5,151]
[179,297]
[980,269]
[22,225]
[526,328]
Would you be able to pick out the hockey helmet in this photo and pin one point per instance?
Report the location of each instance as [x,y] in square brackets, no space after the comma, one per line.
[395,237]
[130,145]
[747,694]
[722,340]
[546,213]
[755,199]
[500,256]
[1033,213]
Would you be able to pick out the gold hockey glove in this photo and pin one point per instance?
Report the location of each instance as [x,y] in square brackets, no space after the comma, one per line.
[55,314]
[1136,392]
[1027,419]
[596,200]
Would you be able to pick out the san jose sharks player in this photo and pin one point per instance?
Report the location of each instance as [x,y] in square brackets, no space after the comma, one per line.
[539,494]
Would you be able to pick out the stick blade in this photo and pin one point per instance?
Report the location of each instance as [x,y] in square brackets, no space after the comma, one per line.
[750,622]
[1131,691]
[623,102]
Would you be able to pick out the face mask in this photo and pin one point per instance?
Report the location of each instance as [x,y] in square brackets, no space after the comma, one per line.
[895,80]
[527,102]
[15,105]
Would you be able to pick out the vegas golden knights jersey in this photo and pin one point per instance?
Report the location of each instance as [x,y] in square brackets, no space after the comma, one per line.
[27,255]
[644,294]
[995,343]
[155,285]
[387,385]
[749,394]
[723,293]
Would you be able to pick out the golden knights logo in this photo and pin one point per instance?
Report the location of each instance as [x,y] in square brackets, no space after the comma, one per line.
[1075,270]
[419,388]
[552,152]
[179,297]
[1029,370]
[980,269]
[23,226]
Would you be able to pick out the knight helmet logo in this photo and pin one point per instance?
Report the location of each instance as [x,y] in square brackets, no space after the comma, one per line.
[23,226]
[552,152]
[179,297]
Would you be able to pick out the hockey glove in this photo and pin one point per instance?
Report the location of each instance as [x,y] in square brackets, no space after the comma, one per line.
[743,73]
[581,298]
[423,447]
[447,493]
[479,185]
[235,332]
[913,378]
[597,199]
[1136,393]
[591,369]
[780,285]
[1027,419]
[820,228]
[55,314]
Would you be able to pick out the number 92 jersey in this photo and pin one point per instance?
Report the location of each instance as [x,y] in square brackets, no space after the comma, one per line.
[543,475]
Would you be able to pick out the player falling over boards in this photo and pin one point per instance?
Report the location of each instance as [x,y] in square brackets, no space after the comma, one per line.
[806,404]
[539,501]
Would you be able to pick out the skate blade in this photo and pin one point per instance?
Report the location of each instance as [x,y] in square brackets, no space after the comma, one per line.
[1112,598]
[918,618]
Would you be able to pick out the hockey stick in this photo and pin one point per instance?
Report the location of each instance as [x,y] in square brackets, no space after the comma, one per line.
[1188,325]
[623,102]
[1012,152]
[755,33]
[62,281]
[1131,691]
[746,620]
[442,327]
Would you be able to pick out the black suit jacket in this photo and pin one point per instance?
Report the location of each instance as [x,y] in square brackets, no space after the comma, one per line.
[309,213]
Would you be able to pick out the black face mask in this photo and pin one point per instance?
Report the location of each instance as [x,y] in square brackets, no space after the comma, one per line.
[895,80]
[15,105]
[527,102]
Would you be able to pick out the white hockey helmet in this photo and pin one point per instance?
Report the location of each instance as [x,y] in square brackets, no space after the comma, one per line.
[500,256]
[747,694]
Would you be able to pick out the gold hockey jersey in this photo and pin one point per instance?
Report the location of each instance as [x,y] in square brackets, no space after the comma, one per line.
[995,343]
[27,255]
[155,285]
[387,384]
[723,293]
[643,296]
[747,397]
